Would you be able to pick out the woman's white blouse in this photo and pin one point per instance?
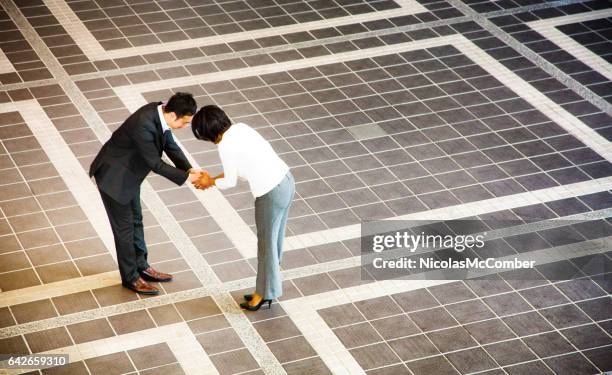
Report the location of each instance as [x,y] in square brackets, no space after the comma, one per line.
[246,154]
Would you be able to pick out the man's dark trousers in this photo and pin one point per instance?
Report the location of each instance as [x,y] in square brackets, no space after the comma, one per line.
[128,230]
[123,163]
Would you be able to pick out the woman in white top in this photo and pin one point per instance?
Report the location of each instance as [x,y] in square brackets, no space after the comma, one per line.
[246,154]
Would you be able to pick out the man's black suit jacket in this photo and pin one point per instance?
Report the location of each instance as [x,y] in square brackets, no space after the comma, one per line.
[134,150]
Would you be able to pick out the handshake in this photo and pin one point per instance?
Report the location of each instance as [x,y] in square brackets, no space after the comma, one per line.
[201,179]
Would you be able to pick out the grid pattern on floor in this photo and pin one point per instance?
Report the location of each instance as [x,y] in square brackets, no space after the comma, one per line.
[383,109]
[479,325]
[19,62]
[45,237]
[119,25]
[364,117]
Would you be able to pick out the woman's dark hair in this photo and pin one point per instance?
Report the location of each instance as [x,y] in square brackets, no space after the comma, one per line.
[209,122]
[181,103]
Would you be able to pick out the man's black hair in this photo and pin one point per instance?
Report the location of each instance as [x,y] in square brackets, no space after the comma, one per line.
[209,122]
[181,103]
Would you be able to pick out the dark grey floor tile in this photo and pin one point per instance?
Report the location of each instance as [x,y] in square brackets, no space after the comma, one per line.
[390,370]
[358,197]
[203,325]
[341,315]
[357,335]
[548,344]
[349,277]
[375,211]
[330,168]
[329,252]
[432,319]
[415,300]
[504,187]
[312,188]
[470,311]
[76,368]
[276,329]
[510,352]
[395,326]
[297,258]
[519,167]
[440,165]
[471,360]
[527,242]
[305,224]
[536,181]
[544,296]
[472,193]
[378,307]
[571,364]
[220,341]
[502,153]
[434,365]
[597,201]
[535,367]
[339,218]
[534,212]
[456,179]
[404,206]
[561,236]
[570,175]
[393,190]
[495,249]
[315,284]
[452,292]
[344,182]
[439,199]
[595,229]
[597,309]
[420,186]
[116,363]
[307,366]
[291,349]
[456,146]
[487,172]
[409,171]
[90,330]
[32,311]
[394,157]
[604,282]
[413,347]
[580,289]
[585,337]
[527,324]
[488,285]
[451,339]
[373,356]
[600,357]
[234,361]
[562,270]
[425,151]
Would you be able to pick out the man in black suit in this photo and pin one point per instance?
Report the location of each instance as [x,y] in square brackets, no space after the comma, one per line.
[121,166]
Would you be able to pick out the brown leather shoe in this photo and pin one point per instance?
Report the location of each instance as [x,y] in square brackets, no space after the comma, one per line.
[142,287]
[153,275]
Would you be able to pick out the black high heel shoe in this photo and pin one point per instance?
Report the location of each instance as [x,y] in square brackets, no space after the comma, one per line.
[248,297]
[246,306]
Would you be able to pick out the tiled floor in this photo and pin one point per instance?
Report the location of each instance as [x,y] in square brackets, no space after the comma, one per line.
[385,109]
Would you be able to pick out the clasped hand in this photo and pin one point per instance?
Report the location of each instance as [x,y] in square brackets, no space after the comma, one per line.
[200,179]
